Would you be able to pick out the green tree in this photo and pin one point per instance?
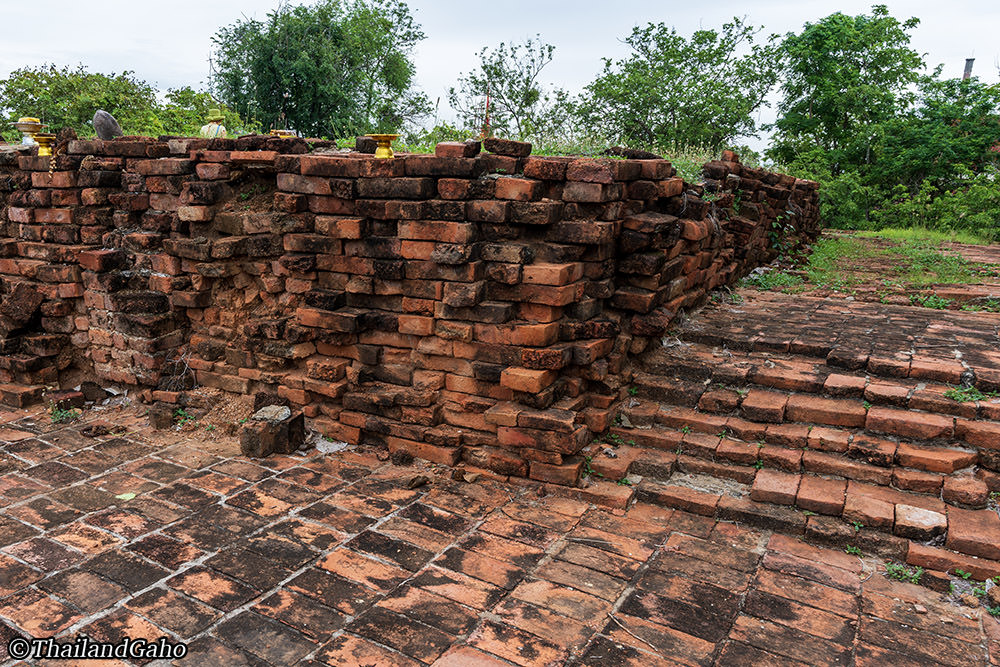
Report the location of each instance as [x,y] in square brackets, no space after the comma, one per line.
[844,75]
[330,69]
[185,109]
[676,93]
[383,34]
[952,129]
[508,76]
[64,97]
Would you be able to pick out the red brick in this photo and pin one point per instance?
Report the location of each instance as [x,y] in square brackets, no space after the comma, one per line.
[829,411]
[917,480]
[825,496]
[518,189]
[974,532]
[552,274]
[828,440]
[872,512]
[771,486]
[457,149]
[934,459]
[442,232]
[981,434]
[526,380]
[966,491]
[908,424]
[590,171]
[566,474]
[920,524]
[932,558]
[844,385]
[764,406]
[680,497]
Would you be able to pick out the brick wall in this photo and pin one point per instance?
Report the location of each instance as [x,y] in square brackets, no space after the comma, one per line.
[464,305]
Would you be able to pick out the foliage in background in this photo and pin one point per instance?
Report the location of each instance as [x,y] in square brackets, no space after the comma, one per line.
[519,107]
[185,109]
[682,93]
[64,97]
[843,76]
[890,146]
[328,69]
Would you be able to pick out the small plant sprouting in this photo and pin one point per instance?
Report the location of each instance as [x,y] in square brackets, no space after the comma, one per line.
[962,573]
[685,429]
[994,611]
[632,391]
[62,416]
[968,394]
[930,301]
[867,406]
[182,416]
[624,481]
[857,526]
[851,549]
[902,572]
[808,513]
[758,464]
[588,471]
[210,427]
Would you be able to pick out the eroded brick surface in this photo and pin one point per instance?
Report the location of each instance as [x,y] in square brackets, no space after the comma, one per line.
[354,567]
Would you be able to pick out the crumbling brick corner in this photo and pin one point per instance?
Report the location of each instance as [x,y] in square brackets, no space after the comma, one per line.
[463,306]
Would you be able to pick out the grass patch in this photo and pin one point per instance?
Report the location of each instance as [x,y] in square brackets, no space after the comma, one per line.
[924,234]
[773,280]
[826,263]
[921,264]
[843,263]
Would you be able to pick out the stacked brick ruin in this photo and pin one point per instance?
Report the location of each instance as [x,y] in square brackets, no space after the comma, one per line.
[460,306]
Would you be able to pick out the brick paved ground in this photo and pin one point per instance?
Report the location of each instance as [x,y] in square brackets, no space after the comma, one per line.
[333,560]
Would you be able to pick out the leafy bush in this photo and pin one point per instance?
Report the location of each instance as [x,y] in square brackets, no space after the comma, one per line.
[68,98]
[972,205]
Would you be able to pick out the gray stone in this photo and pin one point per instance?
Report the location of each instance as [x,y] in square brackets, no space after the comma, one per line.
[273,414]
[106,126]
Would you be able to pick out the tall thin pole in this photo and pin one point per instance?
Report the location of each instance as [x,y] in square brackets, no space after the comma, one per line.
[968,68]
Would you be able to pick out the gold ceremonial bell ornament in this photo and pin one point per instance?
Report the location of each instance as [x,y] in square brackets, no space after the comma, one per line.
[45,141]
[384,141]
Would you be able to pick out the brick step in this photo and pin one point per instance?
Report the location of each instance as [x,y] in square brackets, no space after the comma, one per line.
[876,452]
[971,538]
[20,395]
[693,371]
[763,406]
[657,453]
[850,337]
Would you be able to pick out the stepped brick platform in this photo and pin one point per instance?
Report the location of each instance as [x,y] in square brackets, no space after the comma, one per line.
[340,560]
[828,419]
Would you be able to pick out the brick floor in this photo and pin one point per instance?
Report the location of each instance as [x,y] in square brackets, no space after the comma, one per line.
[334,560]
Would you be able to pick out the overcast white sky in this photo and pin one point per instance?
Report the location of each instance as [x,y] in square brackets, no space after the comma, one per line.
[168,43]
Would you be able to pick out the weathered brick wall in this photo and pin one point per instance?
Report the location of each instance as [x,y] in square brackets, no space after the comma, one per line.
[457,306]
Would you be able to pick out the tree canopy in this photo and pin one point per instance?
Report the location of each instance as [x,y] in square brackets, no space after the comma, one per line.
[508,76]
[675,92]
[329,69]
[65,97]
[843,75]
